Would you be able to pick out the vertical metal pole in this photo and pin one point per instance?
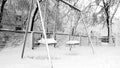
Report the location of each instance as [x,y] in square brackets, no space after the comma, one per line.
[89,37]
[80,40]
[33,40]
[44,33]
[27,27]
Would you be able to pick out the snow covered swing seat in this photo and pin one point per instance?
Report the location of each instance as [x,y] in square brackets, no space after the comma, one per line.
[50,41]
[72,42]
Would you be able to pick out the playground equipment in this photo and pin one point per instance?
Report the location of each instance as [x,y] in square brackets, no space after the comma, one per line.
[50,41]
[88,36]
[83,23]
[44,33]
[26,32]
[72,42]
[45,40]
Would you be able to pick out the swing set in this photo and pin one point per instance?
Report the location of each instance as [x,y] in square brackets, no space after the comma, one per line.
[45,40]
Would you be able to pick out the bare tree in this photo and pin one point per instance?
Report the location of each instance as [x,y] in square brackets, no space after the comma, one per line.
[107,4]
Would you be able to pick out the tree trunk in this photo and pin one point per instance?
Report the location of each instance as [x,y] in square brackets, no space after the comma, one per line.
[56,18]
[109,27]
[1,11]
[33,18]
[33,14]
[108,22]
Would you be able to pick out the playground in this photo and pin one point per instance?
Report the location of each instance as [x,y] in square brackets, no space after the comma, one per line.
[81,55]
[53,49]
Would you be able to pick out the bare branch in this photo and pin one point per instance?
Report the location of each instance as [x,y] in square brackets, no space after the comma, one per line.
[71,5]
[115,11]
[70,9]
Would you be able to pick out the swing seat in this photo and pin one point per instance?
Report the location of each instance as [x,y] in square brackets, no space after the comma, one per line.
[73,42]
[48,40]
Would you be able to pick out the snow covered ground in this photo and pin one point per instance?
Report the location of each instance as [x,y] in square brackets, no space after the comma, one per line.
[78,57]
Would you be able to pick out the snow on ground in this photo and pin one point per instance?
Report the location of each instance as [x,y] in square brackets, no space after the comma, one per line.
[79,57]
